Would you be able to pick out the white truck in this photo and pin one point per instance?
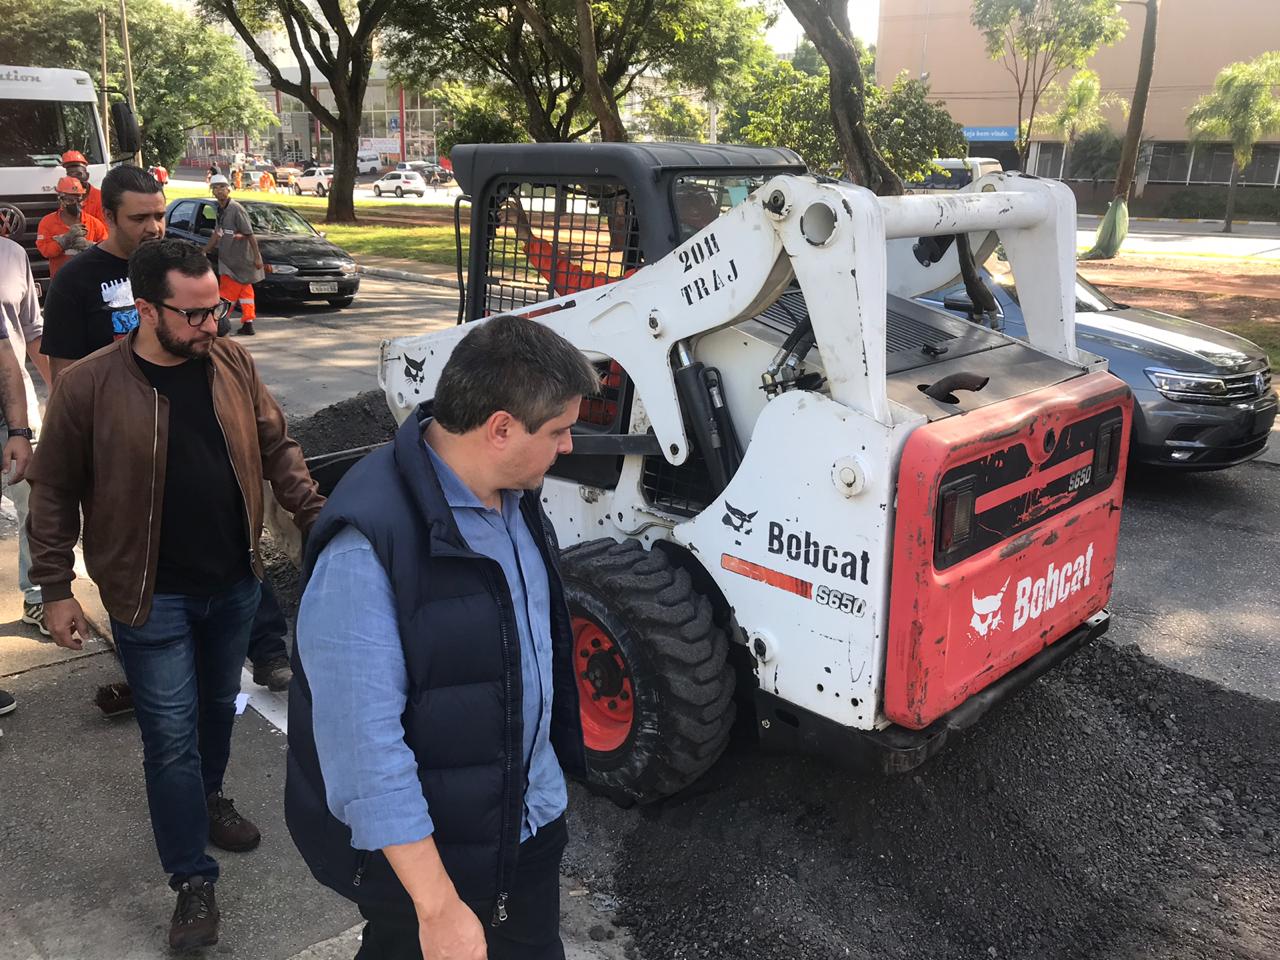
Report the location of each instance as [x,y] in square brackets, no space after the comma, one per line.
[45,111]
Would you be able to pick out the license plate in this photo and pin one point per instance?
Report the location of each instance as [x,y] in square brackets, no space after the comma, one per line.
[324,287]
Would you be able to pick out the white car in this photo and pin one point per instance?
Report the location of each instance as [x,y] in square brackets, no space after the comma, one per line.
[317,180]
[400,182]
[368,162]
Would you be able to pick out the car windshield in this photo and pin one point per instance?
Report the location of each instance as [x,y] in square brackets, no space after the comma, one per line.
[278,220]
[38,131]
[699,200]
[1089,299]
[943,178]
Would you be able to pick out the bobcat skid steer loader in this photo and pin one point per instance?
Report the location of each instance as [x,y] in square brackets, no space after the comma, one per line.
[874,519]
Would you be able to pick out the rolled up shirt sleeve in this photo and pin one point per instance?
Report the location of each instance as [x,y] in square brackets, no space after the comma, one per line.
[349,645]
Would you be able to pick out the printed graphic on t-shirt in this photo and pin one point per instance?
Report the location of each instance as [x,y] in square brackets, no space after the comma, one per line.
[118,296]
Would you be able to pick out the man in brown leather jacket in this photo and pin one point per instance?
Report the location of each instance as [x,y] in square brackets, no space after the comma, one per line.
[163,440]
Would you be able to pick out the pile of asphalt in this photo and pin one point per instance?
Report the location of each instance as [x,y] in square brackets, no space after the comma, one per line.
[361,420]
[356,422]
[1115,809]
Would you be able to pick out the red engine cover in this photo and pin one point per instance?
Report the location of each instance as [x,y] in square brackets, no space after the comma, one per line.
[1046,475]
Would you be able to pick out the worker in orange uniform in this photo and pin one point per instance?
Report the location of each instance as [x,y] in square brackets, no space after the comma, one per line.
[237,176]
[239,258]
[74,162]
[68,230]
[266,182]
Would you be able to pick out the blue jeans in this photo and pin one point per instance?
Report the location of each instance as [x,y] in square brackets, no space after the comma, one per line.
[266,641]
[183,666]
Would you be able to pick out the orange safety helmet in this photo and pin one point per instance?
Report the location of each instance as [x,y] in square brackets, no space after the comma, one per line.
[70,185]
[74,156]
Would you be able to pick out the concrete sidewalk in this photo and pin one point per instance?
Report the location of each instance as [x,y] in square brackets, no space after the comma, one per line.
[409,271]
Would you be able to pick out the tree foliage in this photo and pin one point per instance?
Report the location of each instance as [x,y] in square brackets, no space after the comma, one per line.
[673,118]
[330,38]
[911,130]
[477,115]
[531,50]
[1036,40]
[186,74]
[1080,108]
[787,108]
[1242,108]
[1095,156]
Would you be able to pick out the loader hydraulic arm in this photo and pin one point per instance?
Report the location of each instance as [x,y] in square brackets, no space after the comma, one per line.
[838,241]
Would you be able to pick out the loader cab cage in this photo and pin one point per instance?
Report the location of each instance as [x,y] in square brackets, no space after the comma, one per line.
[550,220]
[568,192]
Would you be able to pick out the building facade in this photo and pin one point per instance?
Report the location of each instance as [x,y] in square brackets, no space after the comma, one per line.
[935,39]
[398,123]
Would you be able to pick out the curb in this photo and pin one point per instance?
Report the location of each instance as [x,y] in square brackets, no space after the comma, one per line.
[388,273]
[1243,223]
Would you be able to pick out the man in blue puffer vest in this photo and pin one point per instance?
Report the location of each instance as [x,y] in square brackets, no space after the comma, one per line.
[433,705]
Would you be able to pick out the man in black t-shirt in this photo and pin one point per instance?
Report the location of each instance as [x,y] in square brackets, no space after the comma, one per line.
[90,303]
[162,442]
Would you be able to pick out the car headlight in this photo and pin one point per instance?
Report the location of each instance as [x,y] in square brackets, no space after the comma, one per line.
[347,266]
[279,268]
[1187,386]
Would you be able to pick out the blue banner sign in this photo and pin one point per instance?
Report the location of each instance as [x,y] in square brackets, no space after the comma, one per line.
[973,134]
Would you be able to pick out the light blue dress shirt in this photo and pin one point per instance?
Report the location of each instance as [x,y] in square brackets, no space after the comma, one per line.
[349,644]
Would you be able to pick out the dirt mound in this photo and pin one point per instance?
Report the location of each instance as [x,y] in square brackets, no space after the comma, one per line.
[1115,809]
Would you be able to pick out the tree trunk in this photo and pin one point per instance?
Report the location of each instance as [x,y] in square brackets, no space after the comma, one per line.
[346,143]
[1231,195]
[1137,113]
[826,23]
[601,100]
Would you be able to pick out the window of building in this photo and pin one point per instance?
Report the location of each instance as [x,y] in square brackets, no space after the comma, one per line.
[1211,163]
[1169,163]
[1262,169]
[1049,161]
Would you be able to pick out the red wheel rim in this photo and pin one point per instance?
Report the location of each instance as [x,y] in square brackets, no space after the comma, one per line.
[605,694]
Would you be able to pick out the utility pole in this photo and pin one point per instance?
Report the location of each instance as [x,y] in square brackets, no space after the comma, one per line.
[128,70]
[713,122]
[106,112]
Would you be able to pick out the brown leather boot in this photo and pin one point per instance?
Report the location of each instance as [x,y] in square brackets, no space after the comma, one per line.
[195,918]
[227,829]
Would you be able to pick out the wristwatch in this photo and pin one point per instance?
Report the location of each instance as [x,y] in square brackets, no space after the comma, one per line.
[25,432]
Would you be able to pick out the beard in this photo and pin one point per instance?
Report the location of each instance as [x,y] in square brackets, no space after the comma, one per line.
[191,349]
[72,209]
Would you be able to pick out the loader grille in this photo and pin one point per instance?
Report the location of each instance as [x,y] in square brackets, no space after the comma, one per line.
[684,489]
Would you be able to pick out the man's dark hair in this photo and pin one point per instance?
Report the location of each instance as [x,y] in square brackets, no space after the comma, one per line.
[512,364]
[126,179]
[150,264]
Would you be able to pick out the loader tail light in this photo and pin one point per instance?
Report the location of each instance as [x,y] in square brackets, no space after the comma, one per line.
[955,515]
[1106,455]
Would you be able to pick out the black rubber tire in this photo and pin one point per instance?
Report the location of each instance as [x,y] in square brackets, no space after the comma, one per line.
[399,191]
[297,190]
[677,658]
[377,191]
[342,302]
[319,189]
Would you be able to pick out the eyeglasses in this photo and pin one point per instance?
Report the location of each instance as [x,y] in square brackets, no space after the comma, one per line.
[199,315]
